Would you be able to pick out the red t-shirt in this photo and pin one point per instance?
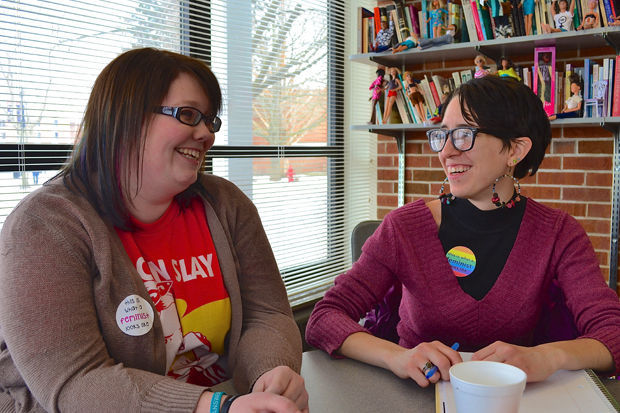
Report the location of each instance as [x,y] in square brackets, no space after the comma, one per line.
[177,260]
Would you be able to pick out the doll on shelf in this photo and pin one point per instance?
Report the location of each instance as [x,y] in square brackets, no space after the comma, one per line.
[572,105]
[384,37]
[414,41]
[507,69]
[414,95]
[377,93]
[392,88]
[528,14]
[615,21]
[435,17]
[591,18]
[480,61]
[563,19]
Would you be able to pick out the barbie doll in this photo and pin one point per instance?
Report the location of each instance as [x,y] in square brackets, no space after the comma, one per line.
[414,95]
[377,92]
[507,68]
[392,87]
[435,18]
[480,61]
[414,41]
[572,105]
[563,19]
[528,13]
[591,17]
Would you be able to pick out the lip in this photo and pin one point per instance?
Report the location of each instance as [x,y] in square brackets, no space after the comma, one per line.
[196,160]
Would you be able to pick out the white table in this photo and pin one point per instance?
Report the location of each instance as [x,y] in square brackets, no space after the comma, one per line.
[348,386]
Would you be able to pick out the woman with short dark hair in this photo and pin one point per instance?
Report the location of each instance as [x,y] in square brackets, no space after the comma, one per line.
[506,277]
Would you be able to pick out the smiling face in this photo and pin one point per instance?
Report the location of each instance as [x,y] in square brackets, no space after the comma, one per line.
[173,151]
[472,173]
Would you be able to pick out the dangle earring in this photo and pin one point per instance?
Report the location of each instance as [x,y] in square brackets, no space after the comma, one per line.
[443,197]
[516,196]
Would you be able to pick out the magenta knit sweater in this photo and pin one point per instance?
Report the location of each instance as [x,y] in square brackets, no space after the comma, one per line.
[551,250]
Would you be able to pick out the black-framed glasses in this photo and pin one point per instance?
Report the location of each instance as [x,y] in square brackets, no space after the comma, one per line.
[462,138]
[191,116]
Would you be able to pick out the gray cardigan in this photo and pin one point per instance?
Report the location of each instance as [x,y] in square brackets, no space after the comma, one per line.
[63,273]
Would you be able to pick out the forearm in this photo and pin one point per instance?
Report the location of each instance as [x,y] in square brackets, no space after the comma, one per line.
[578,354]
[369,349]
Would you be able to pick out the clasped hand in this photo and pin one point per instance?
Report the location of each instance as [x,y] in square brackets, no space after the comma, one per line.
[409,363]
[277,390]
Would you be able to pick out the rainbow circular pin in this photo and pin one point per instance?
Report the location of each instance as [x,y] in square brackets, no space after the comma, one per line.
[462,260]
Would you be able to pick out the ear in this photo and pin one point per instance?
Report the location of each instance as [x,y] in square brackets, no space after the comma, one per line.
[519,149]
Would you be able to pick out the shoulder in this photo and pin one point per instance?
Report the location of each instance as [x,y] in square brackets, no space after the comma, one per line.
[549,220]
[53,201]
[222,191]
[413,216]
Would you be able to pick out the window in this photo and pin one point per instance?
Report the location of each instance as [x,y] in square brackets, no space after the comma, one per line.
[281,65]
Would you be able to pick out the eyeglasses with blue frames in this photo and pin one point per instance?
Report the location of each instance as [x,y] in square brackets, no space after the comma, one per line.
[462,138]
[191,116]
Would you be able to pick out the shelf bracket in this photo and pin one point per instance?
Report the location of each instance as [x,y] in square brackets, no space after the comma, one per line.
[615,212]
[400,143]
[613,41]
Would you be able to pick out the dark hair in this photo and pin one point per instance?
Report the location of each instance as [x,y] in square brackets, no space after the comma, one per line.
[119,111]
[506,109]
[380,72]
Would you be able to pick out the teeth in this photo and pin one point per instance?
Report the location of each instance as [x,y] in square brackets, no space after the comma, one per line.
[458,169]
[190,153]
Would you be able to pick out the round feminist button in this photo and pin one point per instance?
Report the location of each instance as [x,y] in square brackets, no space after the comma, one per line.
[134,315]
[462,260]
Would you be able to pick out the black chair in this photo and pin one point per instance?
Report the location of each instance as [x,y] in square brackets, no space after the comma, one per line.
[360,234]
[383,319]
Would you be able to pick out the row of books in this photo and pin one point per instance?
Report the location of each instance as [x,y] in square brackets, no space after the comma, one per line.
[434,88]
[474,19]
[598,80]
[405,18]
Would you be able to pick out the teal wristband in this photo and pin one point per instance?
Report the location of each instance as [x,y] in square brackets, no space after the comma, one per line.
[215,401]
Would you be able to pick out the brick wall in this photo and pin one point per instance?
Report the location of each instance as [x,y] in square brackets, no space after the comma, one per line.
[575,176]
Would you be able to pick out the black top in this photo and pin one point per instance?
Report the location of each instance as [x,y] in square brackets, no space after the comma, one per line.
[489,235]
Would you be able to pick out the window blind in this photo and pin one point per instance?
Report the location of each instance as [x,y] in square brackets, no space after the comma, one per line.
[284,72]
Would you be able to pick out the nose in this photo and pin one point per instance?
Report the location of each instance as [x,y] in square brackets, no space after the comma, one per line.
[449,149]
[202,133]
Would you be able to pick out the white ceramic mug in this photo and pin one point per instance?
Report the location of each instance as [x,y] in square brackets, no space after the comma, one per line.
[487,387]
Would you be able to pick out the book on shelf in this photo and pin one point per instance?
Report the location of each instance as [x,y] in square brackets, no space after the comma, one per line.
[611,84]
[518,22]
[457,79]
[474,10]
[401,24]
[605,18]
[435,93]
[485,21]
[527,80]
[423,25]
[587,85]
[390,10]
[455,17]
[469,21]
[564,391]
[377,18]
[413,14]
[428,95]
[615,111]
[415,118]
[467,75]
[366,25]
[402,110]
